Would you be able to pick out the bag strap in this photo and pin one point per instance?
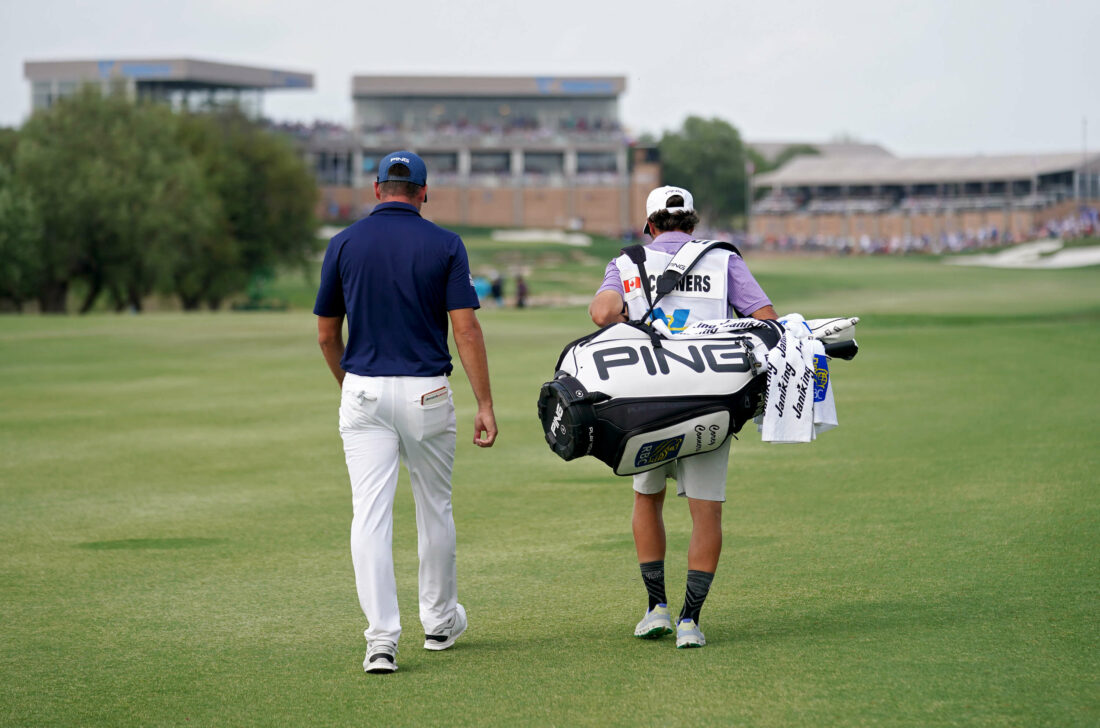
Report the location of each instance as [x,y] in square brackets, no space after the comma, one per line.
[636,253]
[685,259]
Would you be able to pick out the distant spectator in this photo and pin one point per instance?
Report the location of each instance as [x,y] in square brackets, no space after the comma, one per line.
[521,292]
[481,287]
[498,290]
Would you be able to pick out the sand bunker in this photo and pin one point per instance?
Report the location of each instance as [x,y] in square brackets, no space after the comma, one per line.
[1045,254]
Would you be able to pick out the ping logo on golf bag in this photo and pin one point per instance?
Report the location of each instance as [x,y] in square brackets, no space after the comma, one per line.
[821,377]
[676,322]
[723,357]
[658,451]
[557,419]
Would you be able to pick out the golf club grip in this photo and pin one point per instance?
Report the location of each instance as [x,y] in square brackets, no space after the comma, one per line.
[842,349]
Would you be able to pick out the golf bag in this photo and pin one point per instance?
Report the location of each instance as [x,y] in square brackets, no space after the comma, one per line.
[637,400]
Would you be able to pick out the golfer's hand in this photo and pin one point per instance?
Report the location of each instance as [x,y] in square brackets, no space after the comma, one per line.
[485,428]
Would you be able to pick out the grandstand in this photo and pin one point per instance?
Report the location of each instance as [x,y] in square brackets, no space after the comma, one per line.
[523,151]
[184,83]
[920,202]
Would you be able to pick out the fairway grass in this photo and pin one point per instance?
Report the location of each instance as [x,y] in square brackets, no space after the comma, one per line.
[176,511]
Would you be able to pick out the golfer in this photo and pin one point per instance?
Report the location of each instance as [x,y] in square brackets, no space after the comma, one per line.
[722,287]
[397,278]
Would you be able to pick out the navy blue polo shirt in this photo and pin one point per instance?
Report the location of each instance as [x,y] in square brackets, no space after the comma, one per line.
[395,275]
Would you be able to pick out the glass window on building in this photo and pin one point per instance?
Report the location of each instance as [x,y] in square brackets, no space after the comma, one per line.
[371,158]
[543,163]
[504,114]
[597,162]
[42,94]
[251,102]
[491,163]
[440,162]
[333,168]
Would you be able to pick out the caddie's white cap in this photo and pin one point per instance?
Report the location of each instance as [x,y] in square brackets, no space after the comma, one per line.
[658,200]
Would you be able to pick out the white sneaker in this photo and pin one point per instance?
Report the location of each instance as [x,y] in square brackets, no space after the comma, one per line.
[448,635]
[657,622]
[688,634]
[381,657]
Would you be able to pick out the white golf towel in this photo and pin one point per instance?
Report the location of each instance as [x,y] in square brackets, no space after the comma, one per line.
[799,403]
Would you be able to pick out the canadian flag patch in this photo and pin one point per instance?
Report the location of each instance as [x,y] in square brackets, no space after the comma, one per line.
[633,284]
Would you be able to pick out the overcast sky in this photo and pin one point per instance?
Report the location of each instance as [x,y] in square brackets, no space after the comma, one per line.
[921,78]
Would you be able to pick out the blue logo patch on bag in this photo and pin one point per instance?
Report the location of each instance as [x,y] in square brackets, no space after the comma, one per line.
[658,451]
[821,377]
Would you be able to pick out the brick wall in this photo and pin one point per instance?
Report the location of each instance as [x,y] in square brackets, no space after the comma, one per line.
[599,209]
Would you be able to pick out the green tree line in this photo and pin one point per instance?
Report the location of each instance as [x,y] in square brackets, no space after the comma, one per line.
[120,200]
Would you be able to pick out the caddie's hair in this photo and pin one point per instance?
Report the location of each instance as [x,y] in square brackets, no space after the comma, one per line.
[665,221]
[397,188]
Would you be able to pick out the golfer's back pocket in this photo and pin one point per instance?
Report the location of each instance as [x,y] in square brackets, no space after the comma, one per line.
[431,410]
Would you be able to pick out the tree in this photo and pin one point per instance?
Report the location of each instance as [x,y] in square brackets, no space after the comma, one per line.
[267,196]
[96,166]
[707,157]
[59,161]
[8,139]
[20,232]
[132,198]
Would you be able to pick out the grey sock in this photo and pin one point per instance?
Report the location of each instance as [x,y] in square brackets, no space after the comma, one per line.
[698,585]
[653,574]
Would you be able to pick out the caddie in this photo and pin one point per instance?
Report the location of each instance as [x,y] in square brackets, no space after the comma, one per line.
[398,279]
[719,286]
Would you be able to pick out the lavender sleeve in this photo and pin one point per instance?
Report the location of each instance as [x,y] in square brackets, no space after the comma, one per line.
[745,294]
[612,281]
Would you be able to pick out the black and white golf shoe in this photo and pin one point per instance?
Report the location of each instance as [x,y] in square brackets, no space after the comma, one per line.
[381,658]
[447,635]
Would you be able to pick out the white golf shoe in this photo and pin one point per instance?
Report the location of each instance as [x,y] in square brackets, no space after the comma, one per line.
[657,622]
[381,657]
[688,634]
[447,636]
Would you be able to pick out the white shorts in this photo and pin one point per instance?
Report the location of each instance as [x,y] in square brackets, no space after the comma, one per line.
[702,477]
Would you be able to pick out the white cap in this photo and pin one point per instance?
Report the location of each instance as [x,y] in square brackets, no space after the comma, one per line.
[658,200]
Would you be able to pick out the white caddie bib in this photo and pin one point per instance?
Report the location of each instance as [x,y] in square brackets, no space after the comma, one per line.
[700,296]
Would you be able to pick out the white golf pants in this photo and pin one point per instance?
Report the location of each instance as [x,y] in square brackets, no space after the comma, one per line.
[385,420]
